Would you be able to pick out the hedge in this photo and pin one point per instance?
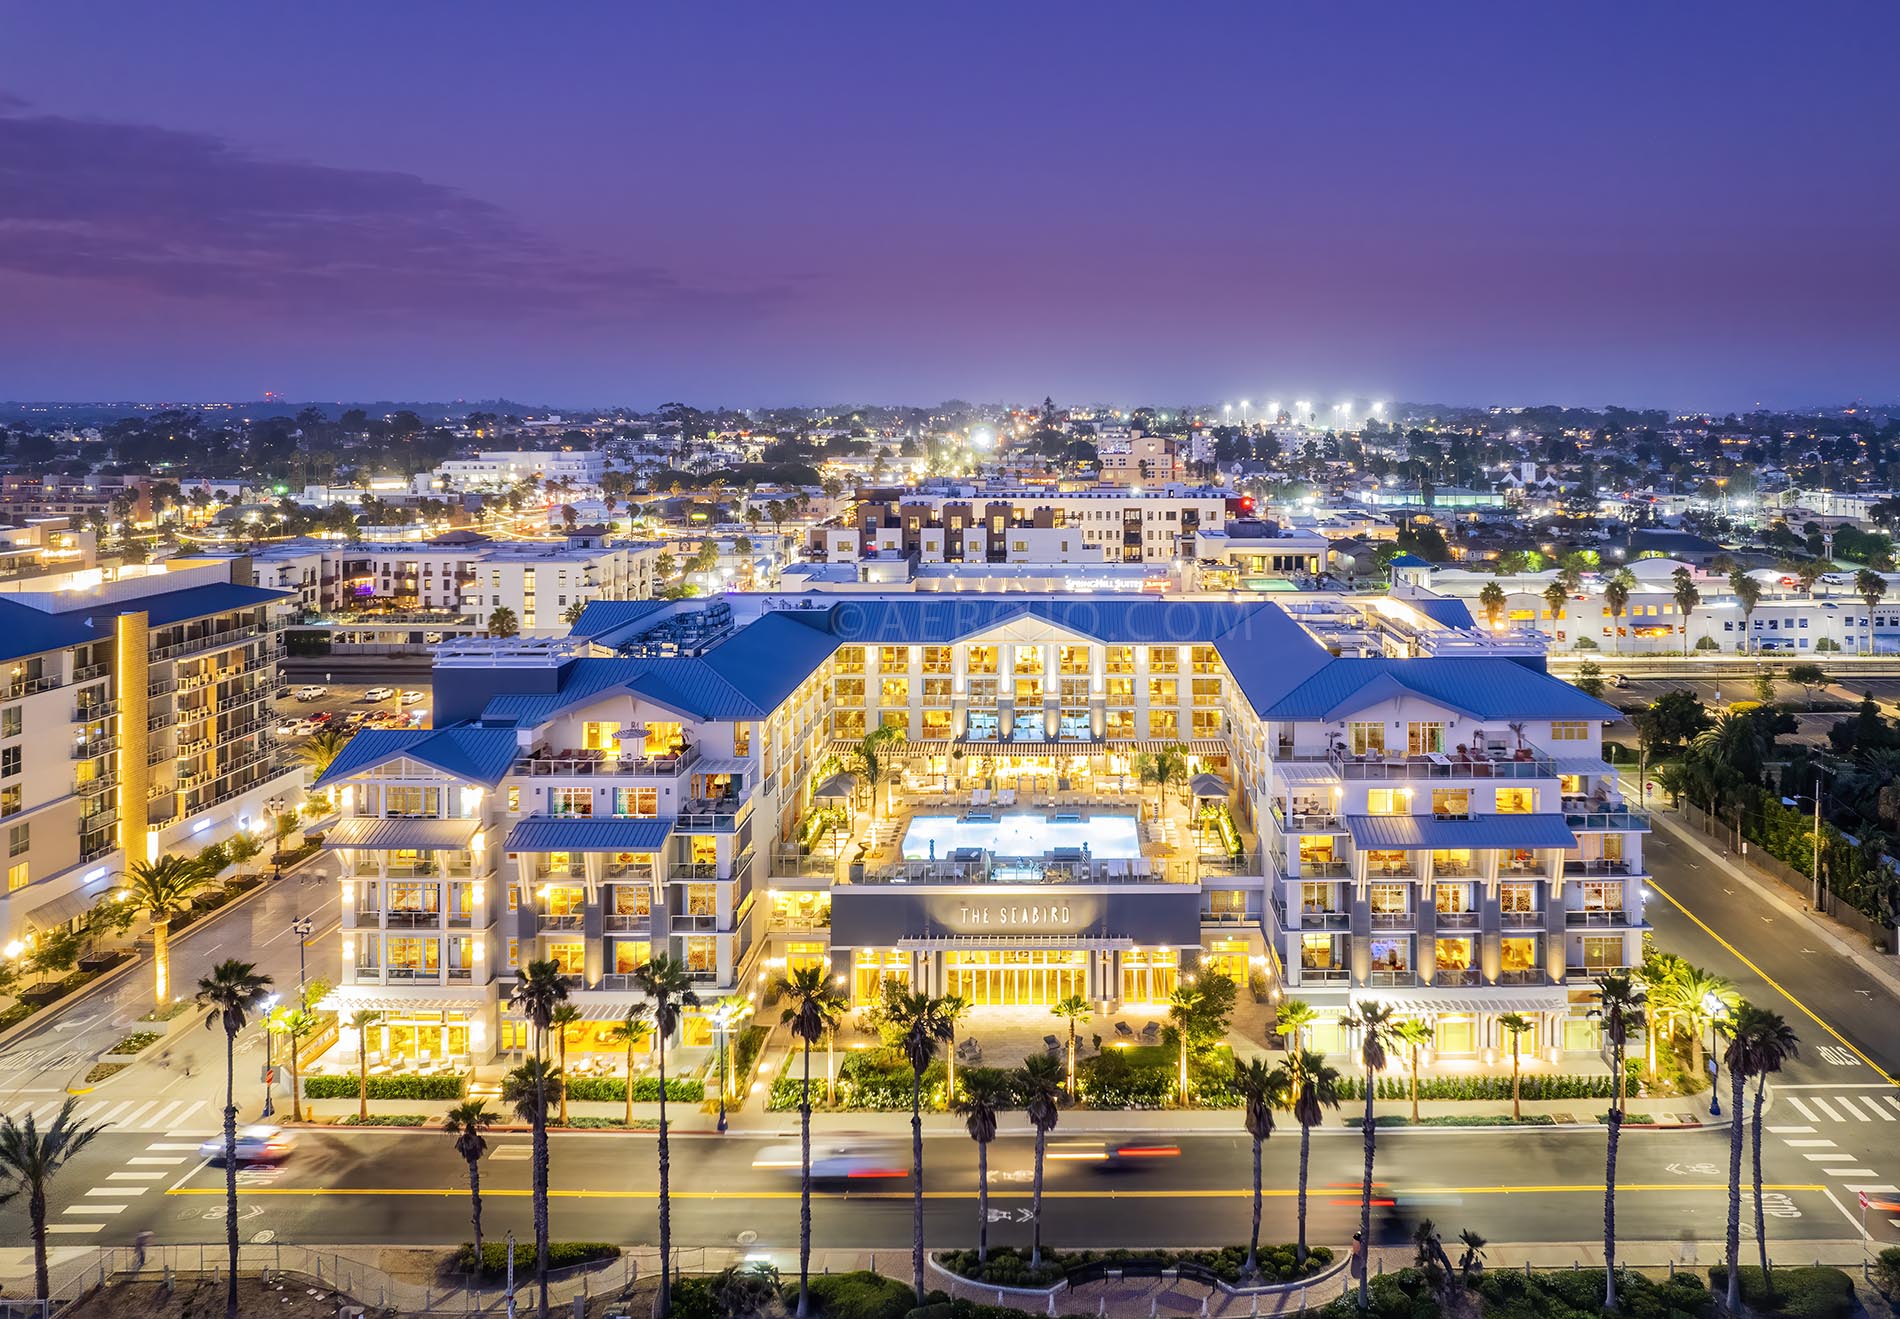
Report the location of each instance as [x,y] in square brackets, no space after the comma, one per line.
[336,1086]
[875,1080]
[859,1295]
[1509,1294]
[384,1120]
[1801,1293]
[561,1255]
[1009,1267]
[646,1090]
[1537,1086]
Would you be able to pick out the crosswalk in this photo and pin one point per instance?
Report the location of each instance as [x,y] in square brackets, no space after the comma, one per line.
[122,1189]
[1842,1111]
[175,1116]
[1844,1106]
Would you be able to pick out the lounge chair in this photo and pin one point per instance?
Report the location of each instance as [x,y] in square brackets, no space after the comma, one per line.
[1151,1032]
[1052,1042]
[1123,1032]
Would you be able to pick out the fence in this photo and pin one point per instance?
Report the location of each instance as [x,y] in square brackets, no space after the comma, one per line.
[345,1277]
[1798,887]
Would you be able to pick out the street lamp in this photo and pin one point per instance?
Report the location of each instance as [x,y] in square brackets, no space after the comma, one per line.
[302,925]
[1716,1011]
[1814,879]
[722,1023]
[270,1106]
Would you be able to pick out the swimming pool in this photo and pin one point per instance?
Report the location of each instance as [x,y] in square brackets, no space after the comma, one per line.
[1022,834]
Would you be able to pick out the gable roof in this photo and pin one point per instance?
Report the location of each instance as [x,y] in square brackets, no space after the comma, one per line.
[467,752]
[1482,688]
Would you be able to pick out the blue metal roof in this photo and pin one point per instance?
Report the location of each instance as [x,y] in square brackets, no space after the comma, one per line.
[1483,688]
[25,630]
[470,753]
[602,616]
[544,834]
[1417,833]
[1443,610]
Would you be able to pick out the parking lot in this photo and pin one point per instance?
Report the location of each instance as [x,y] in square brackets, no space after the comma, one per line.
[349,706]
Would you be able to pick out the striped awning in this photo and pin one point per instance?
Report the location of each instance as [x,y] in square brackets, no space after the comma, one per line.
[1004,942]
[1405,1002]
[345,999]
[373,831]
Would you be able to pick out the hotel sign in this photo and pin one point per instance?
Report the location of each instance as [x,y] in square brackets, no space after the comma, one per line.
[1018,916]
[878,915]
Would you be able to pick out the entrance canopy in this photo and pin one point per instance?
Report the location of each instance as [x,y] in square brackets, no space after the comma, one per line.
[1208,786]
[1417,1002]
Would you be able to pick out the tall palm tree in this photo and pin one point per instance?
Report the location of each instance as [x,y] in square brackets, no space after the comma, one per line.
[1414,1033]
[1293,1018]
[876,754]
[1739,1058]
[1162,768]
[811,1014]
[162,890]
[231,993]
[1075,1010]
[1517,1026]
[530,1089]
[1620,1004]
[665,982]
[923,1026]
[1310,1088]
[1261,1091]
[321,751]
[563,1016]
[632,1030]
[294,1022]
[29,1160]
[465,1122]
[360,1022]
[954,1007]
[1373,1021]
[537,992]
[1039,1090]
[1765,1041]
[1688,999]
[1616,597]
[985,1091]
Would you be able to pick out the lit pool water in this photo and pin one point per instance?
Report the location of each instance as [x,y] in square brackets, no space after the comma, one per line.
[1022,834]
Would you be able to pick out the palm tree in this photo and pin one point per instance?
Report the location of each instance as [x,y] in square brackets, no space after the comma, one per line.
[1748,594]
[529,1089]
[1492,600]
[1261,1091]
[466,1122]
[293,1023]
[954,1006]
[503,623]
[1309,1089]
[1293,1018]
[812,1013]
[162,890]
[1039,1090]
[321,751]
[360,1022]
[876,756]
[665,982]
[1414,1033]
[1556,595]
[1687,597]
[1373,1021]
[1689,1000]
[563,1016]
[1870,586]
[1075,1010]
[537,993]
[631,1030]
[29,1160]
[1738,1026]
[1616,595]
[985,1090]
[1620,1004]
[231,992]
[1161,768]
[922,1026]
[1516,1025]
[1765,1041]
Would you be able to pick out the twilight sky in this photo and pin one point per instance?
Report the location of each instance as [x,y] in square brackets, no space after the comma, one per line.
[1680,204]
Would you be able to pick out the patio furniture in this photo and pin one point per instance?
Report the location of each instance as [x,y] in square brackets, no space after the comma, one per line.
[1050,1041]
[1006,797]
[1122,1031]
[1151,1033]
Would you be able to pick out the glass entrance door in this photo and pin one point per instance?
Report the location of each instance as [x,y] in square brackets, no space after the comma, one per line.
[1035,978]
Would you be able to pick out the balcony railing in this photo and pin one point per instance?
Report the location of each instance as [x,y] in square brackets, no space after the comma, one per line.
[710,816]
[1440,767]
[1589,821]
[1311,975]
[1392,979]
[209,641]
[1596,866]
[1306,822]
[1599,918]
[682,870]
[1455,977]
[1522,920]
[1393,920]
[28,686]
[433,975]
[1317,918]
[85,714]
[88,673]
[617,924]
[461,974]
[413,919]
[1455,869]
[606,763]
[1456,920]
[97,747]
[1323,870]
[1533,975]
[547,921]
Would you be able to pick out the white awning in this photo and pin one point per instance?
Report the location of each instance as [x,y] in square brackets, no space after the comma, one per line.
[345,999]
[1413,1002]
[1009,942]
[422,834]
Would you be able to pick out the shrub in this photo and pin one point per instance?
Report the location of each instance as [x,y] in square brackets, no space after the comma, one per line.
[383,1120]
[646,1089]
[561,1255]
[859,1295]
[330,1086]
[1810,1293]
[137,1040]
[1009,1267]
[1887,1272]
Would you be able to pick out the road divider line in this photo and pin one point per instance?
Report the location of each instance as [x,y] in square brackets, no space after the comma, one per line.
[1770,981]
[1287,1193]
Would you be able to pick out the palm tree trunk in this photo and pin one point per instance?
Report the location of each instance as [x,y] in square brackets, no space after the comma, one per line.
[666,1169]
[230,1169]
[629,1094]
[1253,1240]
[296,1081]
[804,1190]
[475,1207]
[1306,1147]
[36,1207]
[1035,1202]
[1615,1123]
[1517,1107]
[1761,1220]
[541,1202]
[1365,1196]
[1736,1083]
[917,1182]
[563,1076]
[982,1201]
[1415,1085]
[362,1078]
[1622,1077]
[161,962]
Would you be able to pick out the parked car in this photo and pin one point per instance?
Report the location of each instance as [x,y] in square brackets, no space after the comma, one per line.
[412,698]
[312,692]
[254,1145]
[379,693]
[321,719]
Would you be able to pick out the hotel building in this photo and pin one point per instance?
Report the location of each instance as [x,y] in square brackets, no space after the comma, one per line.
[1435,832]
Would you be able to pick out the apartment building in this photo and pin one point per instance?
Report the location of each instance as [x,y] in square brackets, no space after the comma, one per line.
[498,469]
[1133,459]
[1030,525]
[134,715]
[1438,833]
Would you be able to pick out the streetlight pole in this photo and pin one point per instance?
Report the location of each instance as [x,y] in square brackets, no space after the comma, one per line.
[1816,878]
[1714,1007]
[270,1070]
[302,925]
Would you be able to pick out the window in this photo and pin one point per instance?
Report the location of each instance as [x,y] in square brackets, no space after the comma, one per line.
[569,957]
[849,659]
[1386,801]
[401,801]
[982,659]
[1118,659]
[514,798]
[1164,659]
[847,723]
[1424,739]
[1206,723]
[1516,801]
[1120,691]
[1451,803]
[1206,691]
[9,761]
[1453,900]
[1366,739]
[1162,691]
[9,801]
[1164,723]
[571,802]
[937,659]
[936,724]
[1454,954]
[18,840]
[1028,691]
[17,876]
[1601,895]
[600,735]
[849,691]
[1389,899]
[1603,952]
[637,803]
[1319,952]
[894,691]
[1118,723]
[1394,955]
[1569,730]
[1518,953]
[1517,898]
[10,721]
[937,691]
[893,658]
[702,954]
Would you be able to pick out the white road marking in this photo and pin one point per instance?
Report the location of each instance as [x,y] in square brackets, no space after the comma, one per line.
[171,1145]
[163,1115]
[1850,1172]
[118,1190]
[132,1176]
[1830,1158]
[1802,1108]
[1822,1104]
[96,1209]
[1811,1144]
[1788,1131]
[1873,1187]
[166,1163]
[74,1227]
[1873,1103]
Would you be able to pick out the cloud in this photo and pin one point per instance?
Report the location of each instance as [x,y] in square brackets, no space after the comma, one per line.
[190,215]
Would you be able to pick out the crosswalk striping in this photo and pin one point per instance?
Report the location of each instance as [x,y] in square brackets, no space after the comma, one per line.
[1830,1158]
[1789,1131]
[1849,1172]
[166,1115]
[70,1228]
[1843,1108]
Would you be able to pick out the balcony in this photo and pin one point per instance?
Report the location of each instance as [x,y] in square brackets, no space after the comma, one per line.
[88,673]
[461,975]
[1324,975]
[1315,918]
[28,686]
[96,710]
[684,870]
[1456,977]
[1308,822]
[208,641]
[1607,821]
[546,921]
[1391,979]
[160,687]
[712,816]
[1531,975]
[616,924]
[600,762]
[1600,919]
[99,746]
[413,919]
[408,974]
[1522,920]
[1456,920]
[1455,869]
[1323,870]
[1596,866]
[700,923]
[1393,920]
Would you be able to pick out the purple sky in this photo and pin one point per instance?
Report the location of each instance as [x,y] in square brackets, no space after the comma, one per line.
[1672,204]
